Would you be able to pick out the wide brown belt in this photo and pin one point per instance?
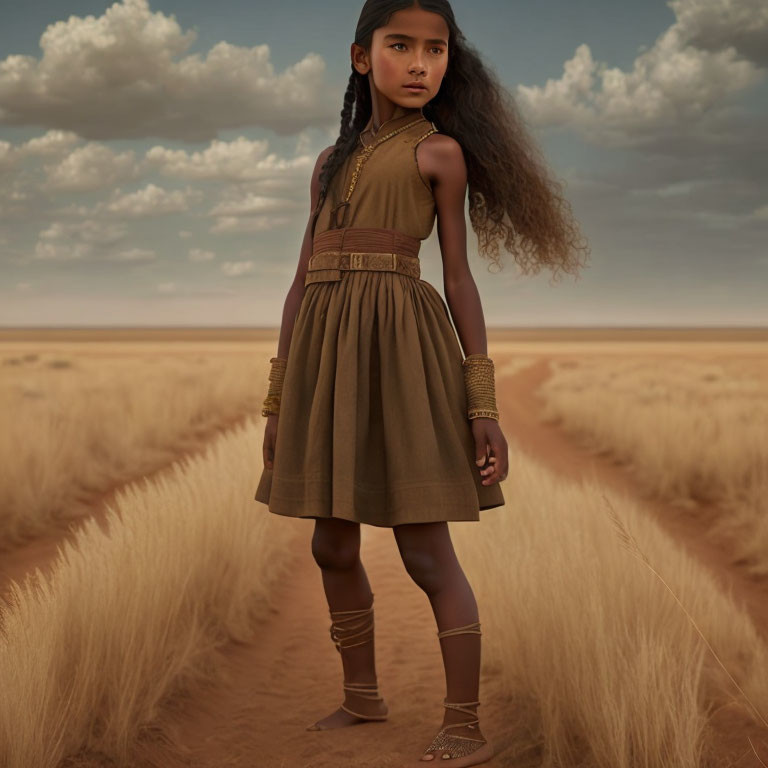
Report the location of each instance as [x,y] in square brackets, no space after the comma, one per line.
[351,248]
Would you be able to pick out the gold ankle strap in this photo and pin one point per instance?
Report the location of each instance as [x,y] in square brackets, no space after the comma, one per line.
[473,628]
[461,707]
[467,629]
[344,626]
[369,691]
[364,690]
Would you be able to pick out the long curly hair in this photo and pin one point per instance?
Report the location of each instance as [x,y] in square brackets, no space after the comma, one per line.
[512,196]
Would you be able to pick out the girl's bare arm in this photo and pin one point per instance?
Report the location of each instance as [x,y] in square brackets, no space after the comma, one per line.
[296,291]
[441,161]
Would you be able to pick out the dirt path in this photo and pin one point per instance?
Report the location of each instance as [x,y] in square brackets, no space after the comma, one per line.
[292,677]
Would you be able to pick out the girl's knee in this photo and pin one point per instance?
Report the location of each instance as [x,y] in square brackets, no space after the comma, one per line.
[334,550]
[423,567]
[427,553]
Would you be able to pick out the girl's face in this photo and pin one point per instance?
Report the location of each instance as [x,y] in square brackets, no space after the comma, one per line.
[412,47]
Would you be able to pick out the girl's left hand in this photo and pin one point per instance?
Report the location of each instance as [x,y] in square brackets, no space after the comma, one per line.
[490,450]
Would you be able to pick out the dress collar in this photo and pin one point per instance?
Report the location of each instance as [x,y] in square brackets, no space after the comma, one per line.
[401,116]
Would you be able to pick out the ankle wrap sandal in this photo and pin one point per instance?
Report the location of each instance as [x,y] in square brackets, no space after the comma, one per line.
[347,626]
[453,744]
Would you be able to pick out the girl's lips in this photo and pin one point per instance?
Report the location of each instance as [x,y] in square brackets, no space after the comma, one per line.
[414,88]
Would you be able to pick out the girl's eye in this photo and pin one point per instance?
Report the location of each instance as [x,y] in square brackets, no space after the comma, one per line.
[434,48]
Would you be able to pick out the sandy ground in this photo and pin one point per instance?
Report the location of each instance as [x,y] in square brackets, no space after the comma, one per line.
[291,675]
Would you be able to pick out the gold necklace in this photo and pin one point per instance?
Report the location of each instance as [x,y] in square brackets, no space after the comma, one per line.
[361,159]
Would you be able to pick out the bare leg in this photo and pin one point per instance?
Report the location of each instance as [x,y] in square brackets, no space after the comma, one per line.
[336,549]
[429,557]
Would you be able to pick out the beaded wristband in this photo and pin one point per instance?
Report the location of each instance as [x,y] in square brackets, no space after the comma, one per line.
[480,387]
[276,376]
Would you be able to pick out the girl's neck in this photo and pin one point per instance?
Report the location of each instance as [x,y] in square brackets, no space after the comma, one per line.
[398,113]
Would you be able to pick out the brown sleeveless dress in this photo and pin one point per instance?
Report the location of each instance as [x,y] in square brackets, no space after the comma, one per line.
[373,423]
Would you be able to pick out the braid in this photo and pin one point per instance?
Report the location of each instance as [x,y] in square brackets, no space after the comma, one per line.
[346,134]
[357,97]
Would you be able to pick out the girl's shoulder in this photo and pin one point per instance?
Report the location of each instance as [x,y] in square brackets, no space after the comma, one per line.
[440,144]
[427,133]
[438,155]
[422,130]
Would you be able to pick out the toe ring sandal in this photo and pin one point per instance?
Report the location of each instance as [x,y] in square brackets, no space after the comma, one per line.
[453,744]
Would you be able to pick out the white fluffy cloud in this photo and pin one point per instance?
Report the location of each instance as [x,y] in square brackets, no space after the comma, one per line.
[67,241]
[92,166]
[148,202]
[123,75]
[198,254]
[692,70]
[252,205]
[237,268]
[152,201]
[243,210]
[250,224]
[50,143]
[714,25]
[254,189]
[237,160]
[133,255]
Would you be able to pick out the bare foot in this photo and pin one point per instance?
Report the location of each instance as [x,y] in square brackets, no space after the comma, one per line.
[341,718]
[482,753]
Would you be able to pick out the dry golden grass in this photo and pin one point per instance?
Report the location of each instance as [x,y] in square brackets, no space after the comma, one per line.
[630,544]
[131,618]
[603,666]
[690,431]
[80,418]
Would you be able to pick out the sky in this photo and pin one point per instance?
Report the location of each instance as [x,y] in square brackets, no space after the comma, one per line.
[155,158]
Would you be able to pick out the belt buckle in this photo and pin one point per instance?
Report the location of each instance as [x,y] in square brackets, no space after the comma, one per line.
[355,260]
[394,261]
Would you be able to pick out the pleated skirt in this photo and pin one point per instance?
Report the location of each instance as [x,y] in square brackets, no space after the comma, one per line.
[373,421]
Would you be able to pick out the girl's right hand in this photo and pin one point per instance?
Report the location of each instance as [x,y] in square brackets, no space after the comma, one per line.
[270,437]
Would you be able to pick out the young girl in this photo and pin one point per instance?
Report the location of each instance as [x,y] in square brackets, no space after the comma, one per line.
[383,420]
